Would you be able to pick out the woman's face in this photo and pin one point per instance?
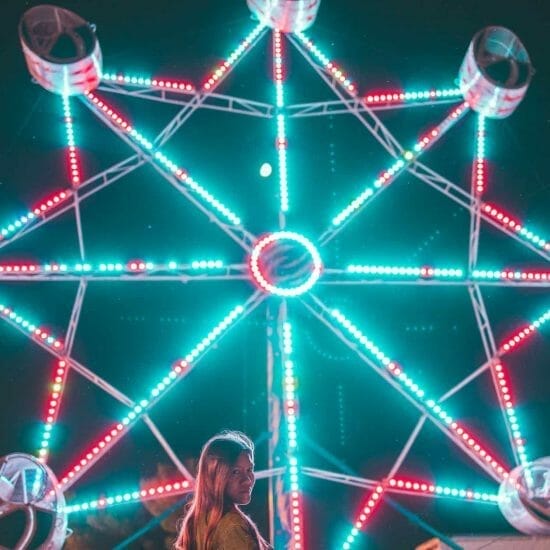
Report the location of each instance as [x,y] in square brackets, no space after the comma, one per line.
[241,480]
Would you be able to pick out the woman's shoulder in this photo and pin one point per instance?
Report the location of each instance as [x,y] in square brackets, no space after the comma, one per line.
[234,532]
[234,519]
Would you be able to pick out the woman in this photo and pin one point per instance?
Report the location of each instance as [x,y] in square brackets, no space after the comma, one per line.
[224,482]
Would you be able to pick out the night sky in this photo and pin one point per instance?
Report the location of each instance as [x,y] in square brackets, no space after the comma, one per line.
[130,334]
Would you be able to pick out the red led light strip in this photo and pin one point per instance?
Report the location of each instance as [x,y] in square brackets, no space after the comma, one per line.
[51,202]
[372,502]
[522,334]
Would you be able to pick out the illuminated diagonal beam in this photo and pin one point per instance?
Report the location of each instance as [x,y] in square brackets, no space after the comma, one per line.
[179,370]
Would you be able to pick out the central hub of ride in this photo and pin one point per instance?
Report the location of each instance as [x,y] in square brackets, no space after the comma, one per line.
[285,263]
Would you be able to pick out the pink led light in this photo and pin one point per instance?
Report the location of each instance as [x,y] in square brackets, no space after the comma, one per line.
[517,338]
[370,505]
[387,97]
[173,85]
[51,202]
[114,116]
[19,268]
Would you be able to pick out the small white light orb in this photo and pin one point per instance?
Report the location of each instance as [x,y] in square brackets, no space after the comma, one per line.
[266,170]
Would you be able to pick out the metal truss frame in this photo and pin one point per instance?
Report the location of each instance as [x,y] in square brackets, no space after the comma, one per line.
[189,103]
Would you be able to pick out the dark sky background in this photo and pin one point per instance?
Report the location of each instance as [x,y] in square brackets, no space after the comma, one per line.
[130,333]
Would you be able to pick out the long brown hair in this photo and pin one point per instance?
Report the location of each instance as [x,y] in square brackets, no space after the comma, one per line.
[208,506]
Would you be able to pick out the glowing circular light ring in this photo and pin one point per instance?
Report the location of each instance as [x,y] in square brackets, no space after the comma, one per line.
[290,236]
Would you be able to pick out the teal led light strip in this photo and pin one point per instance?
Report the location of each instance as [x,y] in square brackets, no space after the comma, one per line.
[74,163]
[407,271]
[281,143]
[165,84]
[162,160]
[423,487]
[291,416]
[335,71]
[480,163]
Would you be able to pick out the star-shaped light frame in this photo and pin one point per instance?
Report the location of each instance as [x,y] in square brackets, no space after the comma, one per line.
[364,108]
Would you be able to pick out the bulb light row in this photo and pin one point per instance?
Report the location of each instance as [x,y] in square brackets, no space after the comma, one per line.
[291,415]
[39,210]
[514,225]
[154,82]
[281,141]
[511,275]
[442,490]
[365,514]
[53,404]
[222,69]
[521,335]
[391,97]
[74,163]
[335,70]
[133,266]
[503,388]
[164,161]
[425,272]
[160,491]
[430,137]
[36,332]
